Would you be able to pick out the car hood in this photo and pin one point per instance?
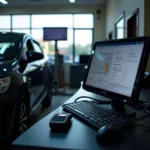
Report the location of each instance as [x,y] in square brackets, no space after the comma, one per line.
[8,66]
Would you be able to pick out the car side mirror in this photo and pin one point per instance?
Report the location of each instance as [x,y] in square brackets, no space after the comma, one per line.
[33,56]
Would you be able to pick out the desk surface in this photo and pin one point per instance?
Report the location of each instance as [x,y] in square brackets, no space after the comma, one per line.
[80,136]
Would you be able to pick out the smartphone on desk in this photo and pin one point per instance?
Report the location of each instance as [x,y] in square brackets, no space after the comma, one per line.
[60,122]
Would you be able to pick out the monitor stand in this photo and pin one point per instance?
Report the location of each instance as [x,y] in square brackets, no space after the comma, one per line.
[119,106]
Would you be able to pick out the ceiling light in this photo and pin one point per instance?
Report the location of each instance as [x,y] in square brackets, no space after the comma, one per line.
[72,1]
[3,1]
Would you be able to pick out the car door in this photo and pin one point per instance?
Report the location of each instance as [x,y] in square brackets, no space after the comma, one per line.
[31,73]
[25,67]
[37,75]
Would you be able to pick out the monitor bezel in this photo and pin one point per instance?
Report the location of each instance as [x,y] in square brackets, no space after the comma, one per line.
[133,100]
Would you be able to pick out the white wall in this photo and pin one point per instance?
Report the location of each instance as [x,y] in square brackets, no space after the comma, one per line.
[147,18]
[114,9]
[99,20]
[147,25]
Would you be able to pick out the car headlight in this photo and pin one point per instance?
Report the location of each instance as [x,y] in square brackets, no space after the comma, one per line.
[4,84]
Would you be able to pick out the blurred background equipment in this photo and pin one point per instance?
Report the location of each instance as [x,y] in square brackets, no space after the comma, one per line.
[78,71]
[57,34]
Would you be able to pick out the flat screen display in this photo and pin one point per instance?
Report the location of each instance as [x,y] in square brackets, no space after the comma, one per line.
[114,67]
[50,34]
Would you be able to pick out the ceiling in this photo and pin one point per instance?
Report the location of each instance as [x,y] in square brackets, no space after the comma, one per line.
[51,2]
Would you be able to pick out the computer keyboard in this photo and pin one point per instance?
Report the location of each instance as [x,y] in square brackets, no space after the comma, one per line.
[97,115]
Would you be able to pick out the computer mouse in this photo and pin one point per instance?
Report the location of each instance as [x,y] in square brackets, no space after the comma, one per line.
[108,135]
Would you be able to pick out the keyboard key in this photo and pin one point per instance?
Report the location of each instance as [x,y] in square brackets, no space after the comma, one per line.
[91,118]
[87,116]
[80,112]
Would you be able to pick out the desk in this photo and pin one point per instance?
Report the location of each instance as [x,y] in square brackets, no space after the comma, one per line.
[80,136]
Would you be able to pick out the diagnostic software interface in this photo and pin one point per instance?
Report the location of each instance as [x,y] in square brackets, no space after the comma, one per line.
[114,67]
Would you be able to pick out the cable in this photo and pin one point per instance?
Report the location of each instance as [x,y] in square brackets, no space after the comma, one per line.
[144,111]
[99,101]
[141,104]
[148,110]
[144,104]
[147,127]
[142,116]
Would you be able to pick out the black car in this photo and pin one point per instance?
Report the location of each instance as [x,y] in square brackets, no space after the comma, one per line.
[25,82]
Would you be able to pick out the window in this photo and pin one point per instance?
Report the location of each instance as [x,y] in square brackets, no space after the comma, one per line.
[37,47]
[47,46]
[21,26]
[20,21]
[5,30]
[27,31]
[29,45]
[66,47]
[37,34]
[80,31]
[40,21]
[120,27]
[82,36]
[5,22]
[83,42]
[8,46]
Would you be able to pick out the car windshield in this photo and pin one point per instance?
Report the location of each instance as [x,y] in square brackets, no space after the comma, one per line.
[8,46]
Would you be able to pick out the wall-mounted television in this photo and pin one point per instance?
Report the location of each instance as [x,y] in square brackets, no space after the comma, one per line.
[50,34]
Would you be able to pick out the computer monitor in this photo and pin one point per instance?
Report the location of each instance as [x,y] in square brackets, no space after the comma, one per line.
[50,33]
[116,69]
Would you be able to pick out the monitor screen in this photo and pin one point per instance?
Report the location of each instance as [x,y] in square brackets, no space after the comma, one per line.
[50,34]
[114,67]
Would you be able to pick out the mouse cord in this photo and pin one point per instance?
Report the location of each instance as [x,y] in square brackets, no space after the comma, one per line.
[142,116]
[141,125]
[97,100]
[141,104]
[144,111]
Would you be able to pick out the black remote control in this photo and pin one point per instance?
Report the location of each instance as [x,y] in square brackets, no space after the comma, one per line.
[60,122]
